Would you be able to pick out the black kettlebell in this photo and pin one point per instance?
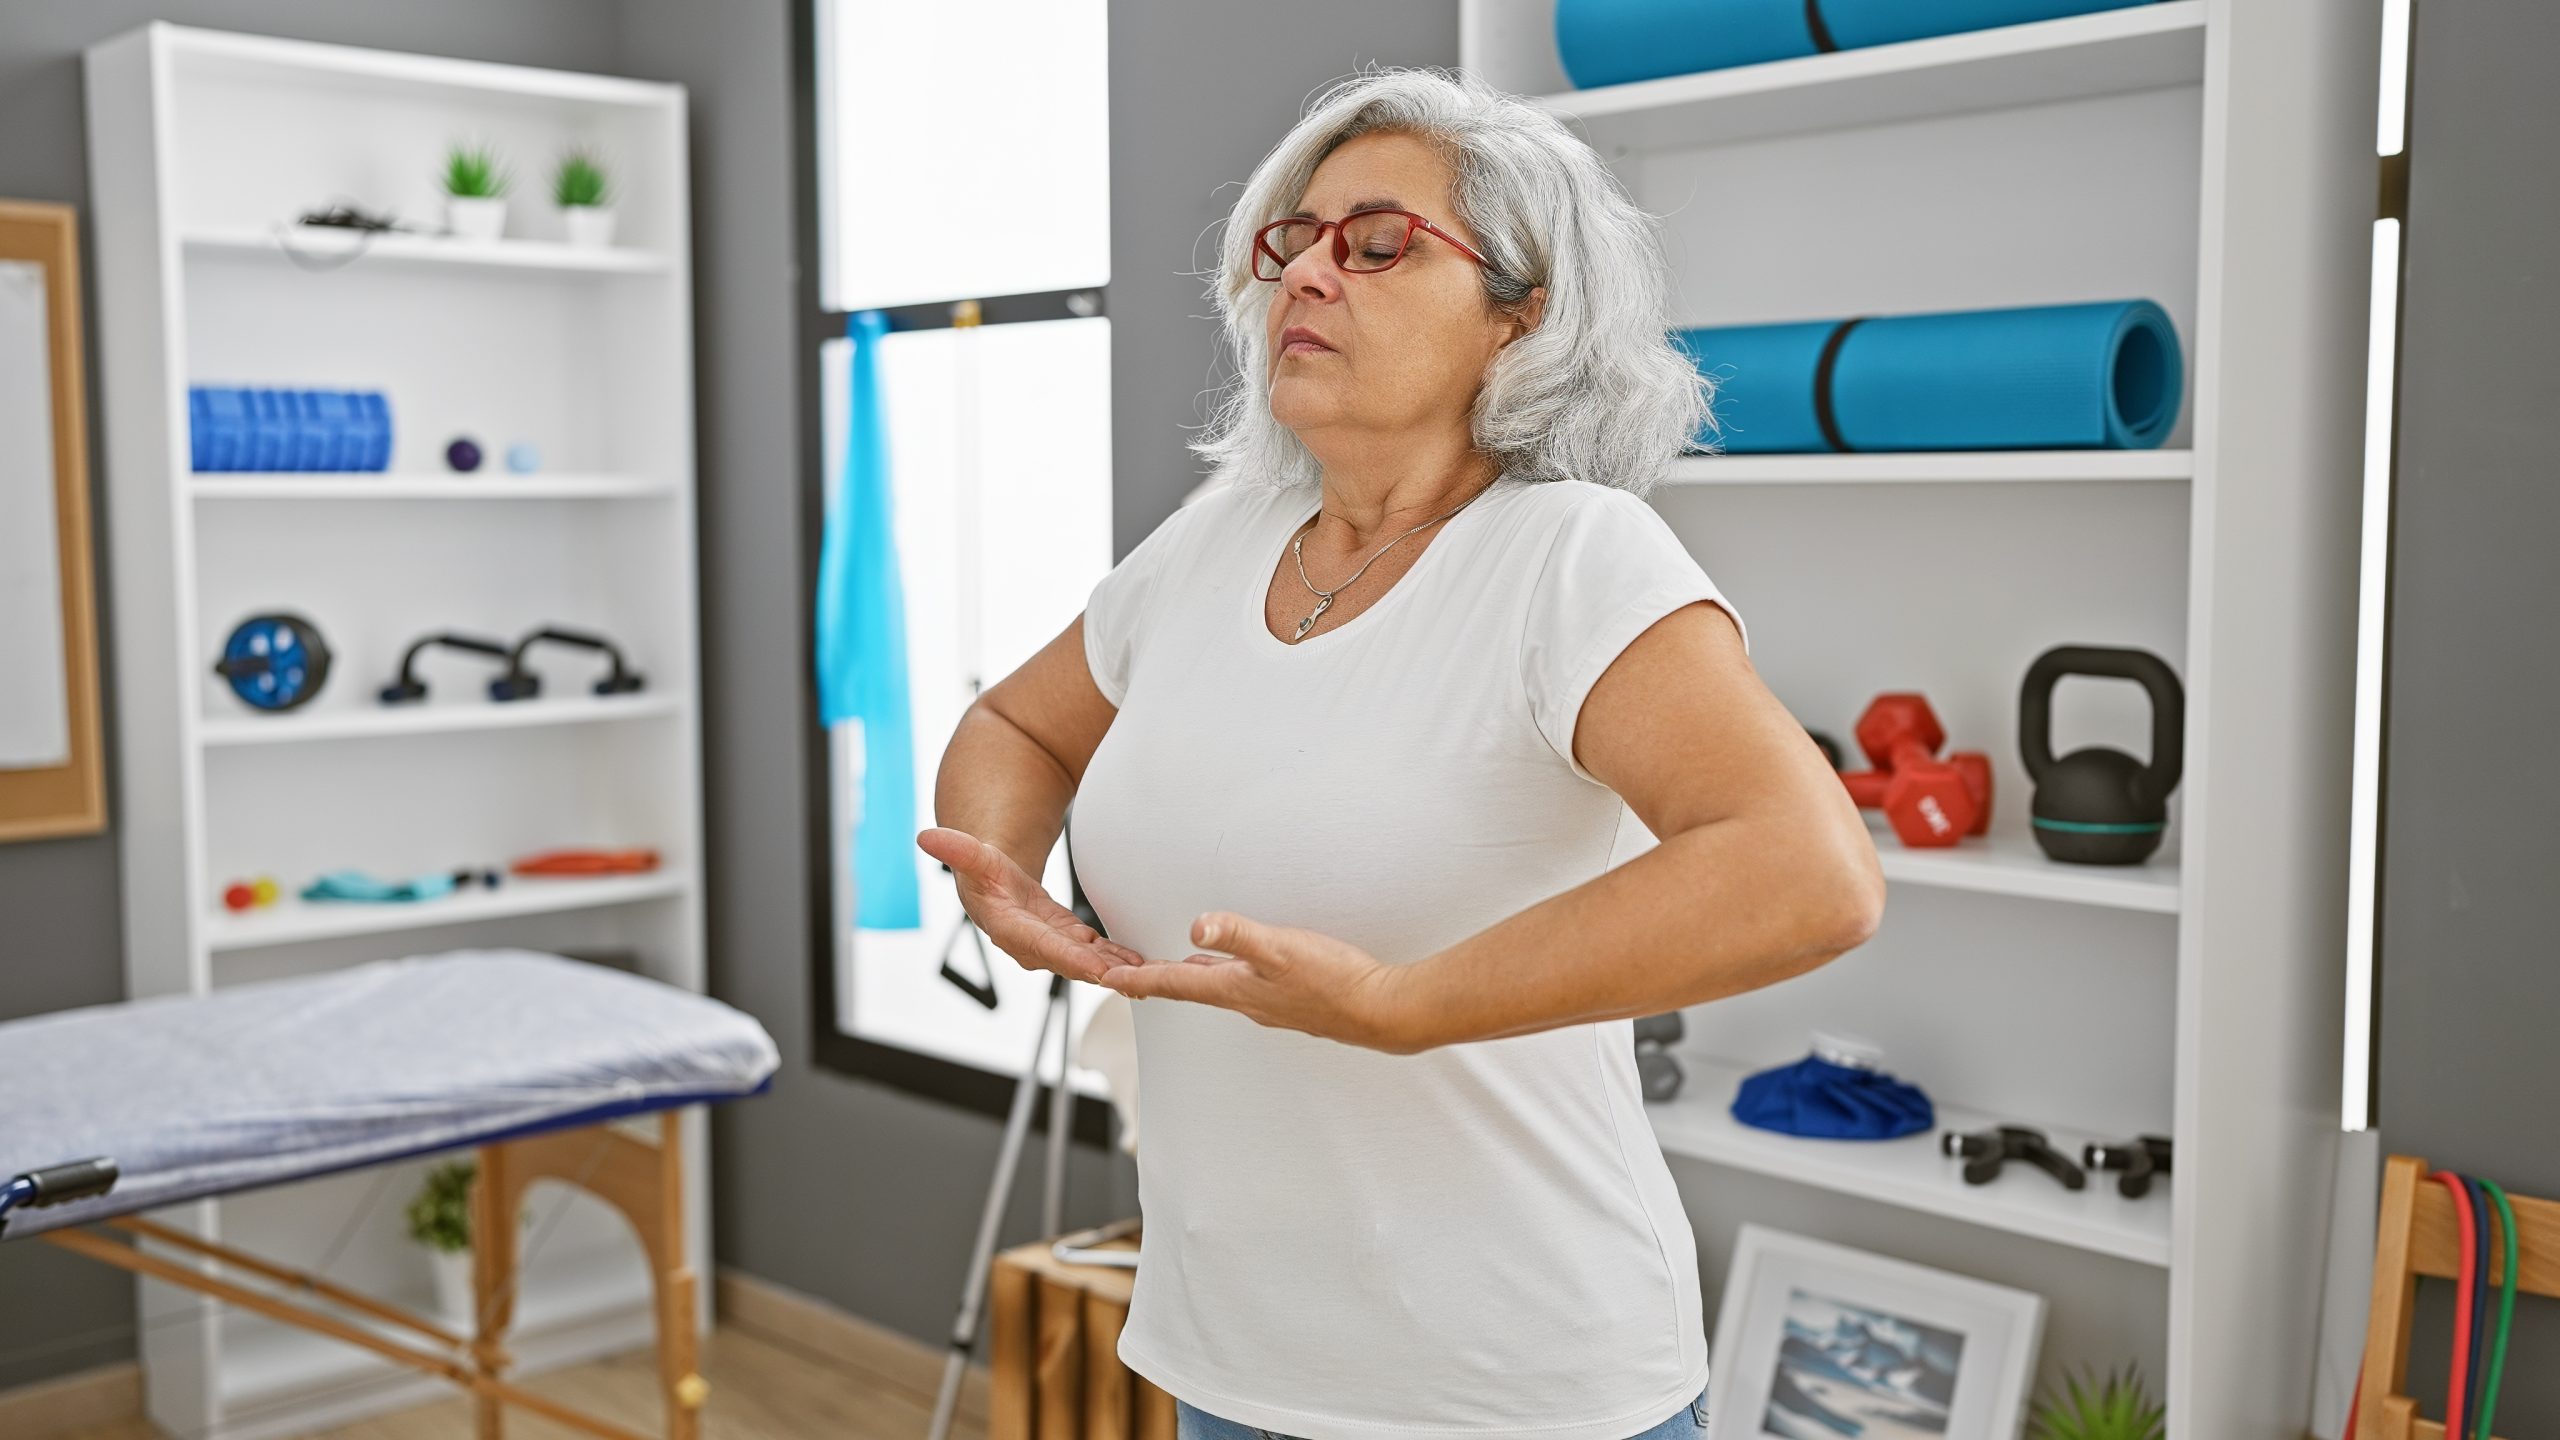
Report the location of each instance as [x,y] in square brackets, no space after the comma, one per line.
[2100,806]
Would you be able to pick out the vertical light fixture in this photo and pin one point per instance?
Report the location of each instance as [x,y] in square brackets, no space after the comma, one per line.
[2391,128]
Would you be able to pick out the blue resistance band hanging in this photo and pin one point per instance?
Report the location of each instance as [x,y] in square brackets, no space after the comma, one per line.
[862,646]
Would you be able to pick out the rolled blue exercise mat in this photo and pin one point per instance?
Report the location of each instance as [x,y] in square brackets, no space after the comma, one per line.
[2102,376]
[263,428]
[1611,42]
[1824,1100]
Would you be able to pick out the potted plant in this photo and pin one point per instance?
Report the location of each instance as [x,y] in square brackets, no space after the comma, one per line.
[475,193]
[440,1219]
[2091,1408]
[585,197]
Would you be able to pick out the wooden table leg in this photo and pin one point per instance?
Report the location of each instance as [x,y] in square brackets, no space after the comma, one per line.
[494,1196]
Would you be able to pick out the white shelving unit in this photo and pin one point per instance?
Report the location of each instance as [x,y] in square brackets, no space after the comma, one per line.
[204,146]
[2215,156]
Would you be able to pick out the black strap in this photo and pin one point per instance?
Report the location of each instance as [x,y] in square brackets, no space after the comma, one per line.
[1822,40]
[1822,411]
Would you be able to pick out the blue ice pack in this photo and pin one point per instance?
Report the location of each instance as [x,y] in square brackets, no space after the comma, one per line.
[1825,1100]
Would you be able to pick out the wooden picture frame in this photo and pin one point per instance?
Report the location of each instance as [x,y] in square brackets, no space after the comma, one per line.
[41,795]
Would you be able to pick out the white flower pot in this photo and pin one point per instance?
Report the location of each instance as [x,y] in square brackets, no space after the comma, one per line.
[589,225]
[475,217]
[453,1288]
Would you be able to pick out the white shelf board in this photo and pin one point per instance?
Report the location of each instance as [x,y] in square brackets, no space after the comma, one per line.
[1933,467]
[1913,1173]
[386,485]
[2141,47]
[2006,863]
[434,719]
[277,1363]
[267,59]
[290,920]
[327,246]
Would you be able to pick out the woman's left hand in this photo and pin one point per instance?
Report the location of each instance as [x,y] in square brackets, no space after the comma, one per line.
[1284,977]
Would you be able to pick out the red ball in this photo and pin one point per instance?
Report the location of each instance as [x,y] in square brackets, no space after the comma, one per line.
[238,896]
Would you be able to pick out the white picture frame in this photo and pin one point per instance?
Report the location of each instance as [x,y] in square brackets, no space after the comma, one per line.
[1972,1345]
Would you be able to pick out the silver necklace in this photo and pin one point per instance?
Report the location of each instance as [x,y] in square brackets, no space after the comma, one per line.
[1324,598]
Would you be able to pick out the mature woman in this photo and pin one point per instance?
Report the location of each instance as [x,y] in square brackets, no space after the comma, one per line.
[1349,742]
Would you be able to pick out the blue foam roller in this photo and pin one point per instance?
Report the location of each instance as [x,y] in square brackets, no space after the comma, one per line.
[227,418]
[202,444]
[270,435]
[1612,42]
[373,412]
[2105,375]
[315,440]
[332,411]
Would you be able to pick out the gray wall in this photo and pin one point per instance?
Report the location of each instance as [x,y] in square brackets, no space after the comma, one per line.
[61,927]
[2470,984]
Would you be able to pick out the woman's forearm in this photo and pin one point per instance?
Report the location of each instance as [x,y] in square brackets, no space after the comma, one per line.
[1713,911]
[1001,785]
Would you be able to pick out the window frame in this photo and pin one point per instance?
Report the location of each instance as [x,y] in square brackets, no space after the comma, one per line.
[914,1071]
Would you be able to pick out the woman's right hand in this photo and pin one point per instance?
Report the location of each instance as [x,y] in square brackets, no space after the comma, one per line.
[1013,909]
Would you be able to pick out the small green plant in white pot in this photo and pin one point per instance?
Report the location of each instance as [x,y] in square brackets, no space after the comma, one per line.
[585,196]
[440,1219]
[475,193]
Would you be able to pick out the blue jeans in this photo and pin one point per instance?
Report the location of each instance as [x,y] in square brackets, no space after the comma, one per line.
[1193,1423]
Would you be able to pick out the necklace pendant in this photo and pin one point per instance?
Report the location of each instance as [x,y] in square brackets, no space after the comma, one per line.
[1309,623]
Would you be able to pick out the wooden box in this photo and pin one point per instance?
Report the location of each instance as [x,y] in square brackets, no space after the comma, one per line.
[1054,1334]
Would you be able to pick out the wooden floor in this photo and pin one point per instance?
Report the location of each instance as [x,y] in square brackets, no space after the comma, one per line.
[764,1386]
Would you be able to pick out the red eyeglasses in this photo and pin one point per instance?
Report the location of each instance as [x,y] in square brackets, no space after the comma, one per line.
[1364,241]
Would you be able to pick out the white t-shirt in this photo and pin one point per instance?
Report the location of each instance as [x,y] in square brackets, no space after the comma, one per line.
[1481,1239]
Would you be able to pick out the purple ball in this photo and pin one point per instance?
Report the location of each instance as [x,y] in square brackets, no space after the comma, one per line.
[463,454]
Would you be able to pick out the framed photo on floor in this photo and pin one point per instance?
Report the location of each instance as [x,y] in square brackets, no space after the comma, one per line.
[1820,1340]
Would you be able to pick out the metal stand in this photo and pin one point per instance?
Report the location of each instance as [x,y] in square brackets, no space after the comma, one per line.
[1017,1130]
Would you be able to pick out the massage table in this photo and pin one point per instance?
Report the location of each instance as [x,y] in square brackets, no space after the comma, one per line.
[541,1063]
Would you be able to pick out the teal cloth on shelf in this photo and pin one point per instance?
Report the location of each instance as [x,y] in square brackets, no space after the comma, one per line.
[862,645]
[358,886]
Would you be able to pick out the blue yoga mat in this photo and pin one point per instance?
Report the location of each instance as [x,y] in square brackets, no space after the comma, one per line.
[2051,377]
[1610,42]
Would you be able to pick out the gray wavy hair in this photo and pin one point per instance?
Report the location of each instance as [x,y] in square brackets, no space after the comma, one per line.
[1596,392]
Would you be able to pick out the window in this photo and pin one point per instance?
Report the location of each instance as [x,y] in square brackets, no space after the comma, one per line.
[955,160]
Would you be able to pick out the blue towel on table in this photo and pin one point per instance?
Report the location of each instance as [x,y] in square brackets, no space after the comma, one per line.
[862,647]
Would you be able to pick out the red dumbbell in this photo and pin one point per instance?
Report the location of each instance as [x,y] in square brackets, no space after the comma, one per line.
[1931,801]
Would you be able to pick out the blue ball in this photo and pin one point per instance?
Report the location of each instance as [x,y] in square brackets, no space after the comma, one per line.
[523,458]
[463,454]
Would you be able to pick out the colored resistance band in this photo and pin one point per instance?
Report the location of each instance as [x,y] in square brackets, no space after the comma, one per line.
[2506,1306]
[2480,1397]
[2466,1239]
[2483,1228]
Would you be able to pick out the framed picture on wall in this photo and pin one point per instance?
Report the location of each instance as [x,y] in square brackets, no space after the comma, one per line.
[1820,1340]
[52,770]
